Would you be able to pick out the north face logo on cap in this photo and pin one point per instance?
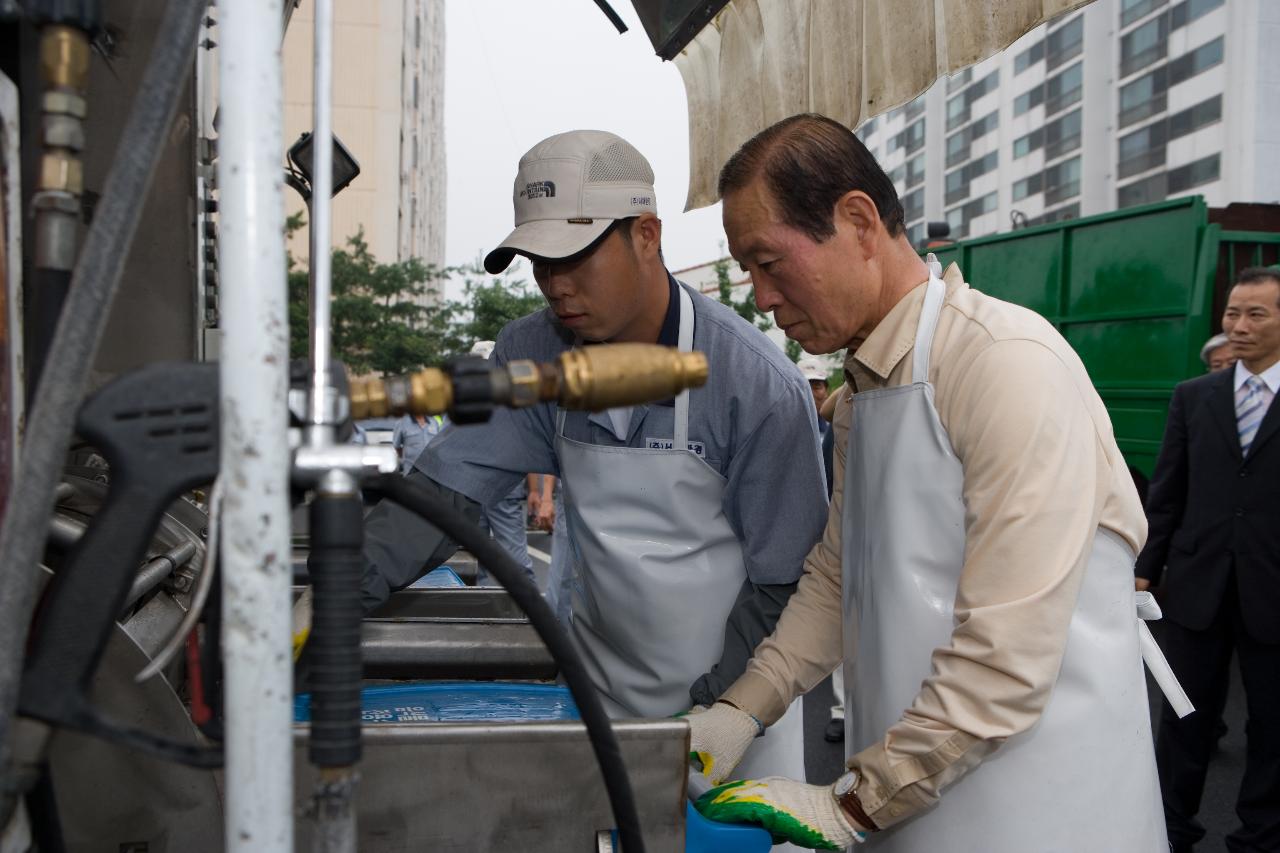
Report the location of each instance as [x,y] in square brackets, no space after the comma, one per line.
[539,189]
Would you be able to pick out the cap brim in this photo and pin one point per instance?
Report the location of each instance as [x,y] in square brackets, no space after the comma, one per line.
[549,239]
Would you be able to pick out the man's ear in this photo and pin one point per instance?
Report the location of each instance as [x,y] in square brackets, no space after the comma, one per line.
[646,234]
[855,209]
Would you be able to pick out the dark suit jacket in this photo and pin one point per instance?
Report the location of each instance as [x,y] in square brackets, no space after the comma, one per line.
[1209,509]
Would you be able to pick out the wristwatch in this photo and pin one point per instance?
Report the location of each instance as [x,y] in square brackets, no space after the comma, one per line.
[846,793]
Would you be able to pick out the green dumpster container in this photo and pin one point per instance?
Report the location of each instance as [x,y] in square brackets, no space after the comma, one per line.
[1136,292]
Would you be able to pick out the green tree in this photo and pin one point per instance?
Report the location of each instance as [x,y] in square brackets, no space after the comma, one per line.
[488,304]
[378,321]
[379,324]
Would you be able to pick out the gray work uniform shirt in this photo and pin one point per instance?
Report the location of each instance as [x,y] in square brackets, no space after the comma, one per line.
[753,422]
[411,438]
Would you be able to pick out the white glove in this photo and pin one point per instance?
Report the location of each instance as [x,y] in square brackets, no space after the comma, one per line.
[718,738]
[803,815]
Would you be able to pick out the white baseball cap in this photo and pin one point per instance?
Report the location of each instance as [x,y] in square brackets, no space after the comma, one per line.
[484,349]
[569,189]
[812,369]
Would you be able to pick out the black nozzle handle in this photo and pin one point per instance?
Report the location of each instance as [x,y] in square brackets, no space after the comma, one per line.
[333,648]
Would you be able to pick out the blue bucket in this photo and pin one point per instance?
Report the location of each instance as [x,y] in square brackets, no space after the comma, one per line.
[438,578]
[703,835]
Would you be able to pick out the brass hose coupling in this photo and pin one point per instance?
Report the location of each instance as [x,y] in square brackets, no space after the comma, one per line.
[593,378]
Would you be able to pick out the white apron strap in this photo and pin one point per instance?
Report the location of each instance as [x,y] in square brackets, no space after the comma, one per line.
[1148,609]
[681,436]
[934,296]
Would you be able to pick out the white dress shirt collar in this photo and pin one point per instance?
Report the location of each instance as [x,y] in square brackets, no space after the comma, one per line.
[1271,376]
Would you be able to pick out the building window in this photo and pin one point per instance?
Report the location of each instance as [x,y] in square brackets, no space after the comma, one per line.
[1028,186]
[1063,90]
[1028,57]
[1057,93]
[958,143]
[1189,10]
[1192,119]
[1145,149]
[1062,135]
[956,82]
[1132,10]
[1144,97]
[1028,99]
[1062,181]
[1024,145]
[912,139]
[915,234]
[959,217]
[1064,43]
[868,128]
[1192,63]
[958,106]
[896,175]
[957,111]
[913,205]
[1144,45]
[1142,150]
[1145,191]
[957,186]
[1194,174]
[915,171]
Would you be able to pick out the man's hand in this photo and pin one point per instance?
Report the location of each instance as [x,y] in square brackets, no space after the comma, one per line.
[804,815]
[718,738]
[1141,584]
[545,516]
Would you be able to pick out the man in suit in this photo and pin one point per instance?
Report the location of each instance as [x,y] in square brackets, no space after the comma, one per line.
[1214,514]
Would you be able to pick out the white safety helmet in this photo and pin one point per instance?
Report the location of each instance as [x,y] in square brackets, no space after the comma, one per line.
[484,349]
[812,369]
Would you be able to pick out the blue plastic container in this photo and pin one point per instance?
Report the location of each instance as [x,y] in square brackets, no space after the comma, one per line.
[703,835]
[457,702]
[438,578]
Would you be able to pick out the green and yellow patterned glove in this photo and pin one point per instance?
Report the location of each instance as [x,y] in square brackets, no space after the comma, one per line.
[804,815]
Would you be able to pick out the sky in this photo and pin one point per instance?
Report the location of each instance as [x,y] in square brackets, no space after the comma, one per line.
[517,71]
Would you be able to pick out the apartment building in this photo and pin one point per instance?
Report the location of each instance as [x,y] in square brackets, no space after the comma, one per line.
[1123,102]
[388,110]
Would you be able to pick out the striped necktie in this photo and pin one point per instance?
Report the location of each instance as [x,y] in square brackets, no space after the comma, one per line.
[1251,406]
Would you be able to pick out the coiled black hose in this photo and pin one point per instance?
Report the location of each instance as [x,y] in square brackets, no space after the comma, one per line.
[433,509]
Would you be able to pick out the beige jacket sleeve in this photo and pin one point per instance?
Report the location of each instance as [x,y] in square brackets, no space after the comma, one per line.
[1035,482]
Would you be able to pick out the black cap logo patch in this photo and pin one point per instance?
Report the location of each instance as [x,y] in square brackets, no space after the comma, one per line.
[539,189]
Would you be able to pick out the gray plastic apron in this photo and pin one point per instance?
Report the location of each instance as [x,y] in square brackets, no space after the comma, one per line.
[657,568]
[1084,777]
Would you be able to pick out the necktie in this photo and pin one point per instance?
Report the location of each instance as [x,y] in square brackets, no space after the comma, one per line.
[1250,408]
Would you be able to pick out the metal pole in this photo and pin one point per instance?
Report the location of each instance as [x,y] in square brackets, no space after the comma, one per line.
[321,204]
[255,452]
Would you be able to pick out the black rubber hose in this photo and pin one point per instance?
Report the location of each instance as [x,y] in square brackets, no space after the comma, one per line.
[48,294]
[66,372]
[507,572]
[336,566]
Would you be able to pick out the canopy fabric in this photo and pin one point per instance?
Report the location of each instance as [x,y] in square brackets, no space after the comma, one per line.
[760,61]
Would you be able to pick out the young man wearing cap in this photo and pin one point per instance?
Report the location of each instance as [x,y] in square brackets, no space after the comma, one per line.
[690,518]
